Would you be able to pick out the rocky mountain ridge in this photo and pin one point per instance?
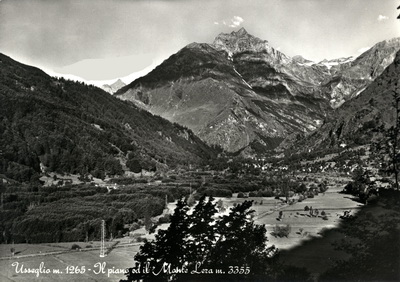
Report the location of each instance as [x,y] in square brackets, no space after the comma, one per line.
[114,87]
[240,92]
[350,78]
[358,120]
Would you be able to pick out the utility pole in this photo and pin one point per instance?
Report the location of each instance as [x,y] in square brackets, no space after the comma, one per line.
[102,243]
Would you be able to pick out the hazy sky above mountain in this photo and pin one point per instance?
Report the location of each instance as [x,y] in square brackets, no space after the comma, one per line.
[106,39]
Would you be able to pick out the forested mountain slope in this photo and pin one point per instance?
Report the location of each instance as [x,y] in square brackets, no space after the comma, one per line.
[49,124]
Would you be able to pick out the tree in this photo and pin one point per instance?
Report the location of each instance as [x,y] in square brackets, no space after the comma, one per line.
[2,190]
[191,200]
[134,165]
[202,230]
[147,220]
[323,187]
[390,141]
[169,247]
[112,166]
[360,185]
[200,239]
[241,242]
[301,188]
[220,205]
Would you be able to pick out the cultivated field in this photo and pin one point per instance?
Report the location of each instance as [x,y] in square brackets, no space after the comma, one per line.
[303,226]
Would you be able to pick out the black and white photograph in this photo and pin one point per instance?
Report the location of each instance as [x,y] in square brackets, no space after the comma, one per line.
[199,140]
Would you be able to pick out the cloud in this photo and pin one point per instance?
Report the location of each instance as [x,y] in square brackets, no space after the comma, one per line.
[382,18]
[235,21]
[363,49]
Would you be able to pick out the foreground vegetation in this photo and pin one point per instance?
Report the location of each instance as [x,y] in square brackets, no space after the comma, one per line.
[202,246]
[372,240]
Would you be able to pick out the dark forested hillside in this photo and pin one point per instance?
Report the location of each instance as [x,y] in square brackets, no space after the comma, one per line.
[49,124]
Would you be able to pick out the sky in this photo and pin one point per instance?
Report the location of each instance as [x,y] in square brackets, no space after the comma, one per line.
[101,40]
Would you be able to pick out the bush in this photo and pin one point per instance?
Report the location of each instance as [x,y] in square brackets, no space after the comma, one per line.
[323,213]
[241,195]
[164,219]
[372,199]
[301,188]
[306,208]
[134,226]
[281,230]
[323,187]
[252,194]
[75,247]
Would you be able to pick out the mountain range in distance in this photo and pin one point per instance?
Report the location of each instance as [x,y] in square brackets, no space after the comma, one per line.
[113,87]
[359,120]
[237,94]
[241,94]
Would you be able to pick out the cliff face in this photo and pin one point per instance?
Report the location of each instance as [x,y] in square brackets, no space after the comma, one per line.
[239,91]
[357,120]
[349,79]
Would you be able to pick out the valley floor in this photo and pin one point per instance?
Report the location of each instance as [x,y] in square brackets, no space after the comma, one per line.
[304,228]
